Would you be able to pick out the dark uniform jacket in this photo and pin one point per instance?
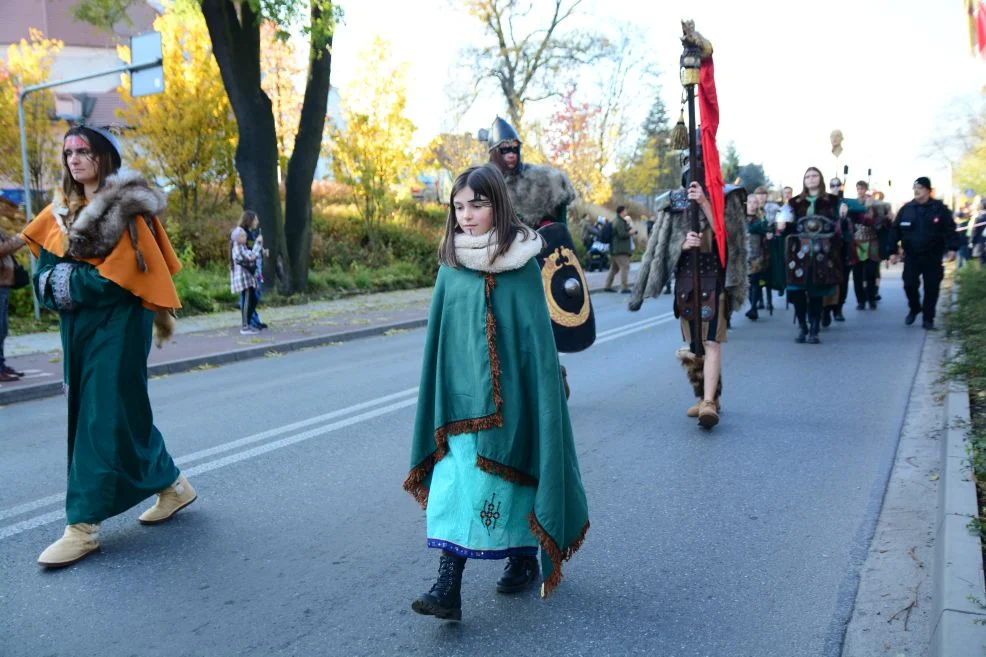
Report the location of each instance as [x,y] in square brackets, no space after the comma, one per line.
[924,229]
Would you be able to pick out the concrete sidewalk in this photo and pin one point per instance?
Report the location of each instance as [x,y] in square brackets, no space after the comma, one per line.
[920,593]
[214,339]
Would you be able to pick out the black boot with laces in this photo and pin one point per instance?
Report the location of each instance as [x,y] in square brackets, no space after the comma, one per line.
[519,575]
[444,600]
[802,333]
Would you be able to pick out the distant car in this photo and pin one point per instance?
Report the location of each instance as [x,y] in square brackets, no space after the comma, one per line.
[425,189]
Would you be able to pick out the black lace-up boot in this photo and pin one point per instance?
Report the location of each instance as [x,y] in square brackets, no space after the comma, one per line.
[802,332]
[813,332]
[444,600]
[519,575]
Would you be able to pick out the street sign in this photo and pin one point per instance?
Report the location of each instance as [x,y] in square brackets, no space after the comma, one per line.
[146,49]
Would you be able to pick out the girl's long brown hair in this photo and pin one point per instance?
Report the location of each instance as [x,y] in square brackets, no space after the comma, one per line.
[486,182]
[821,183]
[246,220]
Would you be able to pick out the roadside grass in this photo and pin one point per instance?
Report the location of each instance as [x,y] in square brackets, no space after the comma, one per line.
[206,290]
[967,323]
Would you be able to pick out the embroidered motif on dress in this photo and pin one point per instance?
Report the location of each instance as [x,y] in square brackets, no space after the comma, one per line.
[61,290]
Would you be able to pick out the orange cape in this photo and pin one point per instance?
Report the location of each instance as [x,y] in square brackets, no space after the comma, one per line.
[154,287]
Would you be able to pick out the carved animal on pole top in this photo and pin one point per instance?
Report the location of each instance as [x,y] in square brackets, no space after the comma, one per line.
[692,37]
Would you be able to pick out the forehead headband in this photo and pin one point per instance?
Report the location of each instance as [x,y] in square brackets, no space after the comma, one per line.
[76,142]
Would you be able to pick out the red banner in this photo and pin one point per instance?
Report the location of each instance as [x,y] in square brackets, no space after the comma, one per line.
[708,103]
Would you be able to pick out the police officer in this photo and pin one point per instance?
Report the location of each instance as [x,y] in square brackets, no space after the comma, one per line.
[925,229]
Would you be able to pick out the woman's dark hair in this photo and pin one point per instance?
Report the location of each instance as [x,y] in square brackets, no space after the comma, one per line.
[103,151]
[821,182]
[487,183]
[247,219]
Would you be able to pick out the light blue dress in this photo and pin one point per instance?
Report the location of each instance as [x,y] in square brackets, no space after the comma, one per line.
[475,514]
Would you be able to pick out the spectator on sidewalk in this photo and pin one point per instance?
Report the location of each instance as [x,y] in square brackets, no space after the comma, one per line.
[250,222]
[243,276]
[8,246]
[925,229]
[620,249]
[589,231]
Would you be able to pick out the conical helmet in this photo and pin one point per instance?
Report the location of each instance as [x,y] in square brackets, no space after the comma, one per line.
[500,132]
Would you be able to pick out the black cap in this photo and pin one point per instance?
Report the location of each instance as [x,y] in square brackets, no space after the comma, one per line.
[924,181]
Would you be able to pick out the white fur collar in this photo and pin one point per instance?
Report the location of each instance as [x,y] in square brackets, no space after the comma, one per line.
[474,251]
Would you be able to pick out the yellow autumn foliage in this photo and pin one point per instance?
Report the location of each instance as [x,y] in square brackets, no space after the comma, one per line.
[185,138]
[29,63]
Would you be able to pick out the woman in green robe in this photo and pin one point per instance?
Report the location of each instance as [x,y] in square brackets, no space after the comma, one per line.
[106,266]
[493,458]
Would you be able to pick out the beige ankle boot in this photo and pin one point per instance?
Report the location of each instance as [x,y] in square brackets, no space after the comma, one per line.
[693,410]
[77,543]
[708,413]
[170,501]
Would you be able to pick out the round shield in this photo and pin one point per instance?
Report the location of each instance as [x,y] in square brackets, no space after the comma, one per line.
[566,291]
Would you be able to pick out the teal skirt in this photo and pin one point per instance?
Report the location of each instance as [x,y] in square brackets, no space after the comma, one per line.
[475,514]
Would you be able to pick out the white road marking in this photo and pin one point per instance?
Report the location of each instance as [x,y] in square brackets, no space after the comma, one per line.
[407,398]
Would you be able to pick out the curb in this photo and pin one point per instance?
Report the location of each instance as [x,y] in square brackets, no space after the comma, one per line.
[957,601]
[42,390]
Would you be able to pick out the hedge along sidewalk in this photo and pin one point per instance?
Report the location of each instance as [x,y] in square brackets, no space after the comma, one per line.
[959,585]
[212,340]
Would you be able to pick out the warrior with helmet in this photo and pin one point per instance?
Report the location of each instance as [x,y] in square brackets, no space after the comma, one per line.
[540,196]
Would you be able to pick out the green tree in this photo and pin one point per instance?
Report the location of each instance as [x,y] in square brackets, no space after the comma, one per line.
[752,176]
[373,149]
[234,28]
[970,171]
[280,72]
[653,167]
[29,62]
[454,152]
[730,164]
[185,135]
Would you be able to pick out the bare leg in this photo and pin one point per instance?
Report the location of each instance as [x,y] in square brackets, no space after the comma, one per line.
[713,361]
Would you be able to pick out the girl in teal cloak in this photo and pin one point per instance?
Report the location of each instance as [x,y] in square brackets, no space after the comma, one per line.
[493,459]
[105,265]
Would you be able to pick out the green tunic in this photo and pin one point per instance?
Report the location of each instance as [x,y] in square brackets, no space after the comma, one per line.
[116,456]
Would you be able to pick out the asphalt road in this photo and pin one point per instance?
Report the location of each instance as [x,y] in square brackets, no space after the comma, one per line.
[744,541]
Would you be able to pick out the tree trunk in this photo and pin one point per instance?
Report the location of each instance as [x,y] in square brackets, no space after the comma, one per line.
[235,39]
[304,159]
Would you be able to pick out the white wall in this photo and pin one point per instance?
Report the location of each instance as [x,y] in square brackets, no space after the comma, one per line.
[74,61]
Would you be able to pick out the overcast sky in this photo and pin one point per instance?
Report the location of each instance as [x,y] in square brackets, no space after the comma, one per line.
[893,75]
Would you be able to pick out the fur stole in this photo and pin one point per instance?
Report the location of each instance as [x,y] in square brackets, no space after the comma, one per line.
[537,192]
[664,249]
[474,251]
[95,228]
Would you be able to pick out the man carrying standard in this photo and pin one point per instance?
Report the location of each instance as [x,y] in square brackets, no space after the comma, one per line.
[925,229]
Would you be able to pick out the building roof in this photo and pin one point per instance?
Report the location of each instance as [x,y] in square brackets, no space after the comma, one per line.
[104,111]
[54,18]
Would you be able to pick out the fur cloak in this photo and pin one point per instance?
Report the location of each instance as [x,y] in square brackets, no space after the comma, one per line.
[124,199]
[118,233]
[664,249]
[539,192]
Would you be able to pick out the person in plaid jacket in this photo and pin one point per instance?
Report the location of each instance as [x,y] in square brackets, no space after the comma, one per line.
[243,275]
